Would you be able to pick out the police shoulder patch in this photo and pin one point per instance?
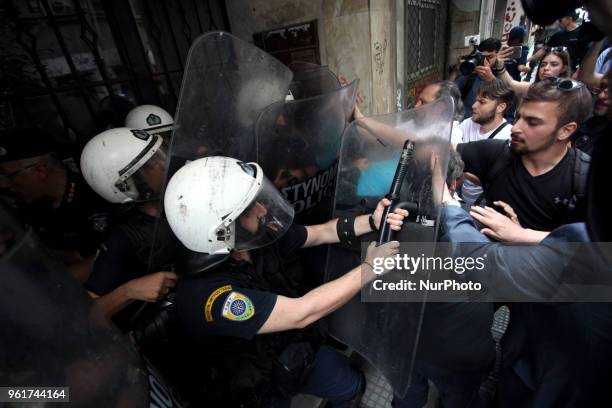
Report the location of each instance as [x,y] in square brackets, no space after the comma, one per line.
[211,301]
[238,307]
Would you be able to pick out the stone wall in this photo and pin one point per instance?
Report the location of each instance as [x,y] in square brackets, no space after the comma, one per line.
[356,38]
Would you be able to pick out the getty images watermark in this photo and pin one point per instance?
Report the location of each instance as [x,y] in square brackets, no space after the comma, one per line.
[490,272]
[420,269]
[423,264]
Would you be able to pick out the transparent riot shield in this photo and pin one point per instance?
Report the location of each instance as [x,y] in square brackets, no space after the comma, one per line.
[298,143]
[385,332]
[52,337]
[226,84]
[311,80]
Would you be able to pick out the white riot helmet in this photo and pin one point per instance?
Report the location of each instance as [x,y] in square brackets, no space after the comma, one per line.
[150,118]
[124,165]
[216,204]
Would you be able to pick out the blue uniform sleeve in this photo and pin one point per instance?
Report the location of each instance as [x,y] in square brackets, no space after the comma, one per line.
[293,239]
[222,309]
[109,268]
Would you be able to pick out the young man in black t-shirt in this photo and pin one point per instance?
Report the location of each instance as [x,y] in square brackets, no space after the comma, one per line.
[536,174]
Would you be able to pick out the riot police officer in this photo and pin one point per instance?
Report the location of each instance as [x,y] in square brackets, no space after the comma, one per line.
[259,335]
[67,215]
[127,166]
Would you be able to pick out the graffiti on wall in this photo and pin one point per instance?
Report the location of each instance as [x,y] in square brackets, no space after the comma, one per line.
[512,18]
[379,56]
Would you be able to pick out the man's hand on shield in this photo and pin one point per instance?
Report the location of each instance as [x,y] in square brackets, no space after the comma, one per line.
[379,259]
[358,99]
[394,219]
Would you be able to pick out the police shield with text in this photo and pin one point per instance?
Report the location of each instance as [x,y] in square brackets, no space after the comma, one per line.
[306,135]
[260,337]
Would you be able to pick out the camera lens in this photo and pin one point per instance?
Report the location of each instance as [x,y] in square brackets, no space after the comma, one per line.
[467,67]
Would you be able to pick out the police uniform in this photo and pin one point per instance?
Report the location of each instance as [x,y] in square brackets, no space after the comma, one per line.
[225,307]
[128,254]
[80,222]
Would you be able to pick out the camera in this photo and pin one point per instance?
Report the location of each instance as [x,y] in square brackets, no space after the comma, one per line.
[470,62]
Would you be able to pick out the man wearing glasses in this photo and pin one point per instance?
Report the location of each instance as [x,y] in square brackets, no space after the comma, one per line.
[586,136]
[67,215]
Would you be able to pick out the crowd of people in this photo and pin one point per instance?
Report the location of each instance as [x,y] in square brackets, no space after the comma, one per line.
[212,247]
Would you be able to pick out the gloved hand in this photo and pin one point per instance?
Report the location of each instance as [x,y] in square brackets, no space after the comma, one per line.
[376,255]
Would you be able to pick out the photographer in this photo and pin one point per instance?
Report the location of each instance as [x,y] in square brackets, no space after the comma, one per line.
[472,71]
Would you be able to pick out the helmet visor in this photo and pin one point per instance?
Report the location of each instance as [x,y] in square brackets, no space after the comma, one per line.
[264,220]
[144,182]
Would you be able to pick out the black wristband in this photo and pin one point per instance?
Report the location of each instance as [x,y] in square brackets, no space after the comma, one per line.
[345,228]
[372,223]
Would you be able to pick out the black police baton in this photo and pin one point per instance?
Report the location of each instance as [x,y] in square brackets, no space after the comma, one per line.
[385,233]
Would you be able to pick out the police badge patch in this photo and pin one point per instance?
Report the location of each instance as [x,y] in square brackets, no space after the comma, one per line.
[153,120]
[238,307]
[140,134]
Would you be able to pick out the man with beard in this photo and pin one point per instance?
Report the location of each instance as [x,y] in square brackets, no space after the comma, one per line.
[540,176]
[487,122]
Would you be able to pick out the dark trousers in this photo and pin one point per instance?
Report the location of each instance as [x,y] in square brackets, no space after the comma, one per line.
[332,377]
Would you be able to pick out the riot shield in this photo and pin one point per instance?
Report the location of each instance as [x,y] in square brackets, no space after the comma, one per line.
[51,335]
[386,333]
[311,80]
[298,144]
[226,84]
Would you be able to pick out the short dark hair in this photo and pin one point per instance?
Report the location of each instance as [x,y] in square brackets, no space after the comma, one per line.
[497,90]
[573,14]
[455,166]
[449,88]
[573,106]
[25,143]
[490,44]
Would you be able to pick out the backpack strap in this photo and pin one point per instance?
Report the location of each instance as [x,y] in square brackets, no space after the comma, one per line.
[503,160]
[580,177]
[496,131]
